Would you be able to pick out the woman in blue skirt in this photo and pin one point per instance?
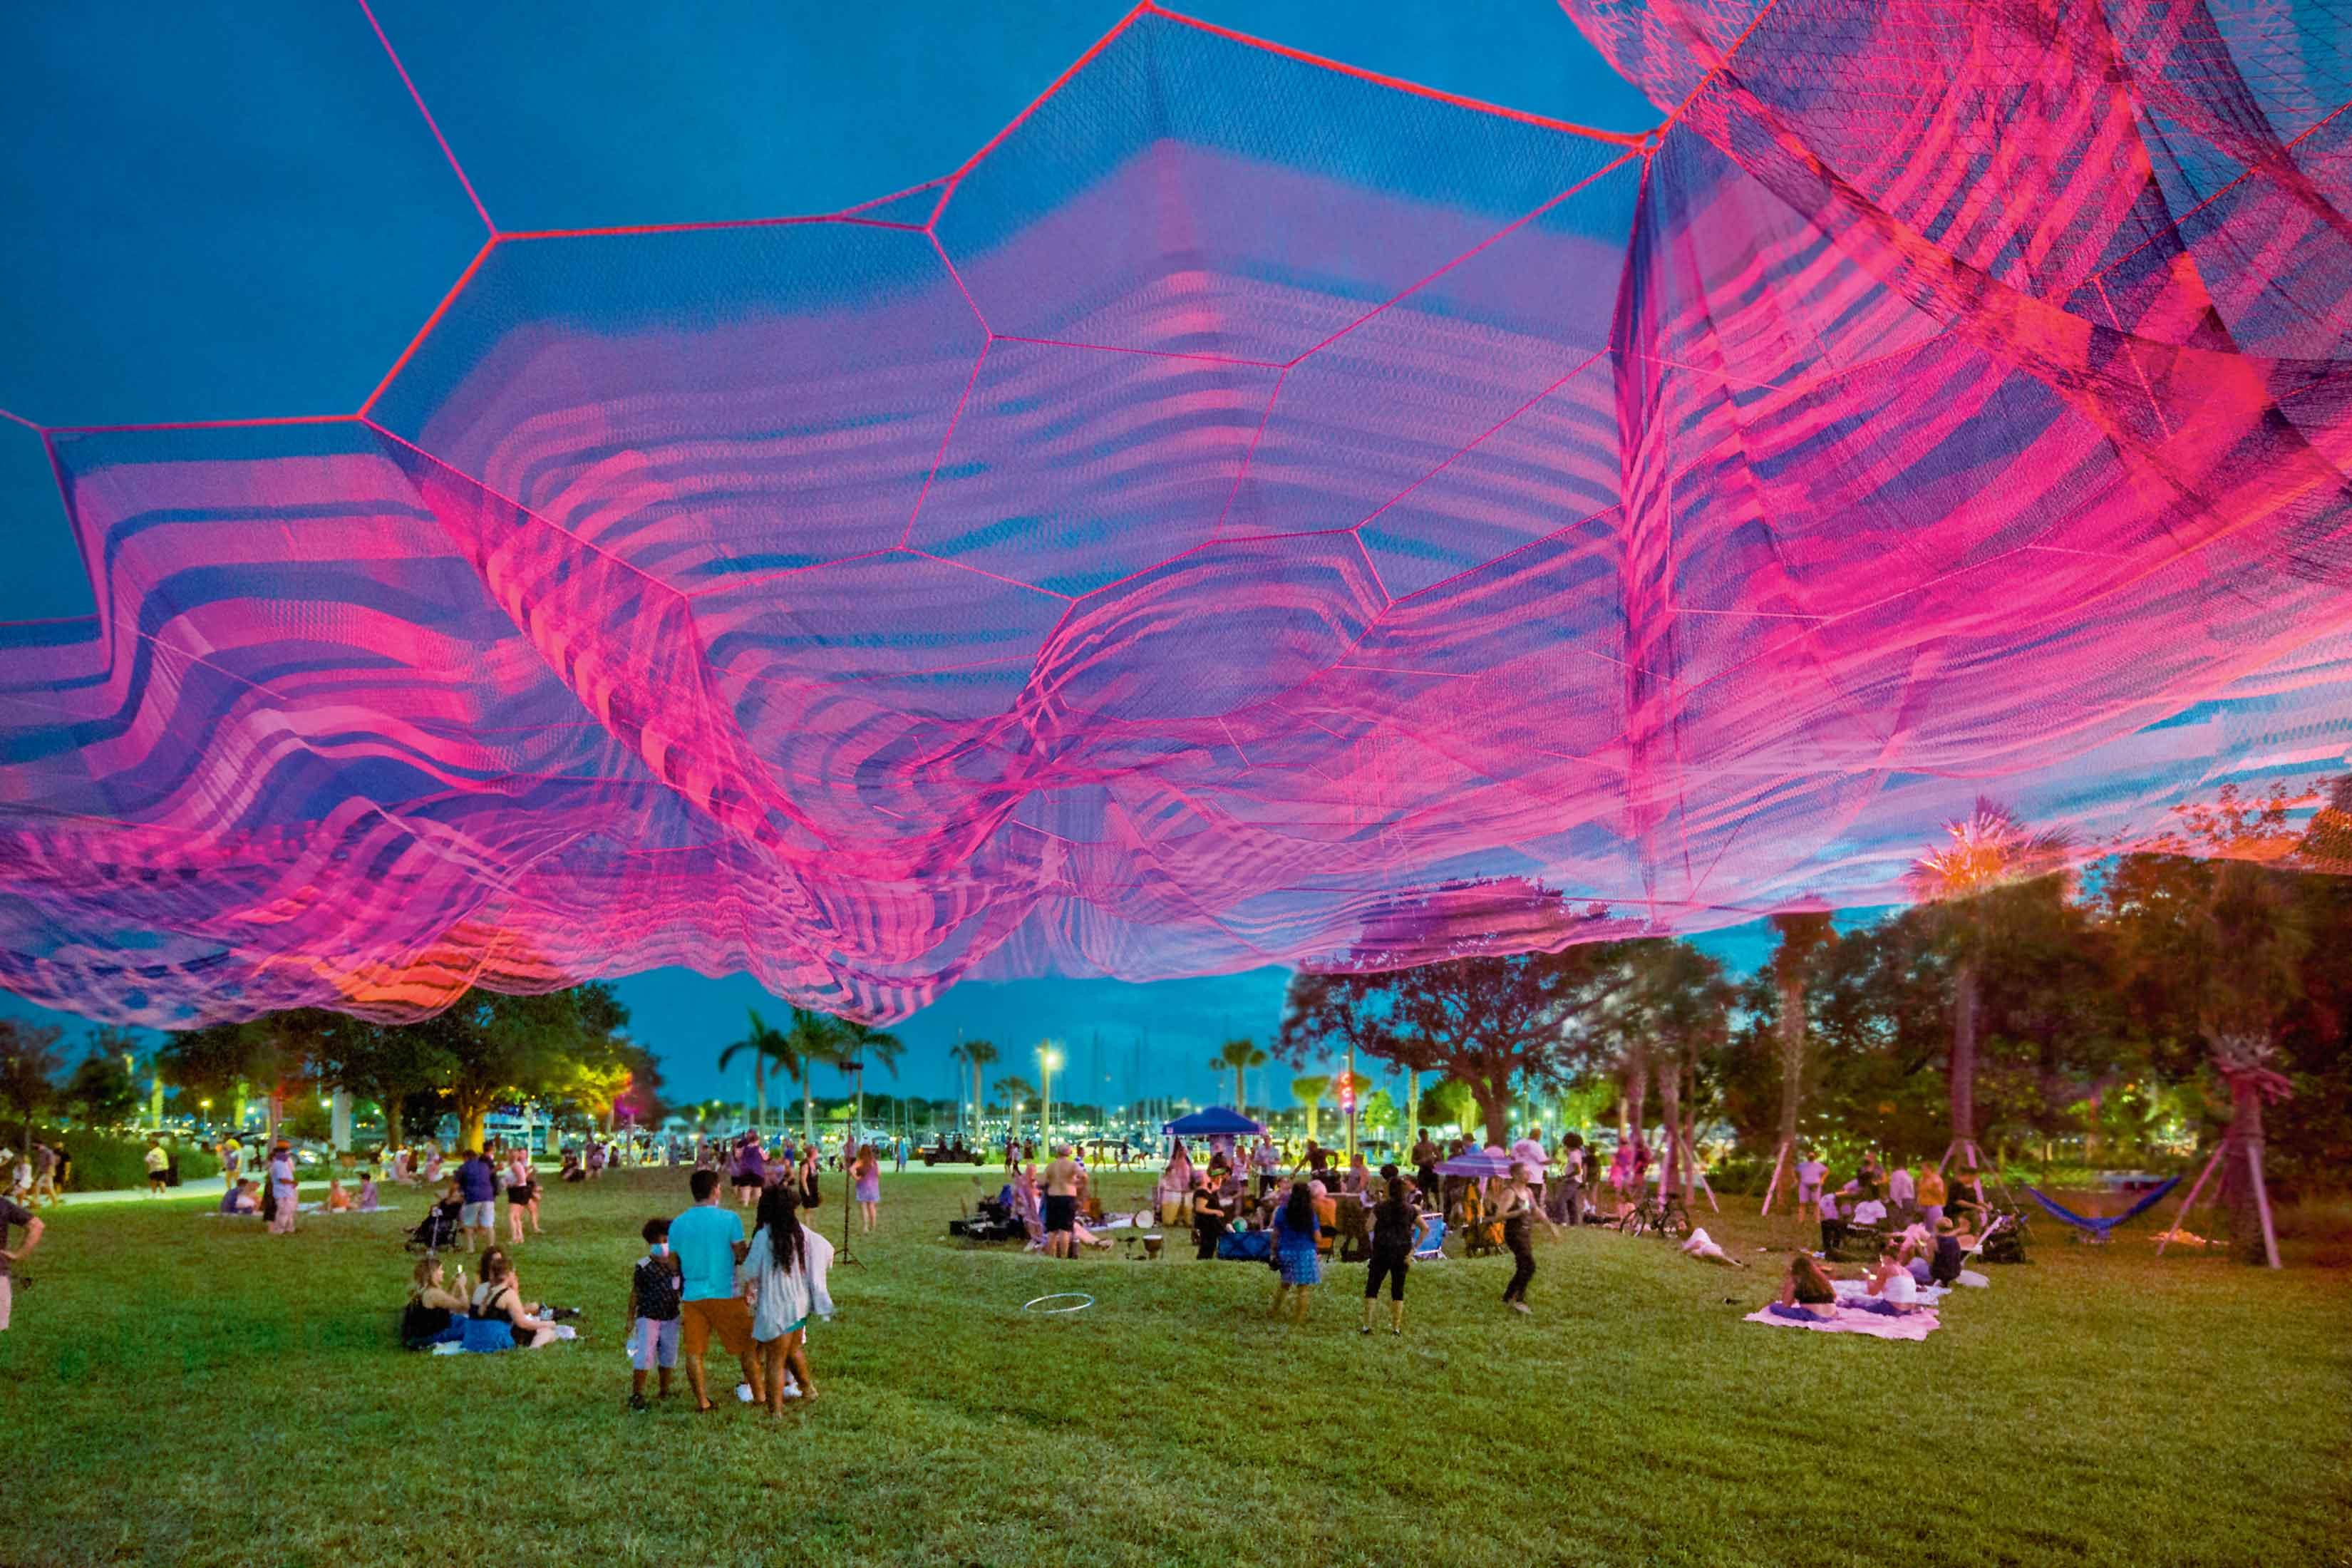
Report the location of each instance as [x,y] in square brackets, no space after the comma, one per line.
[1295,1232]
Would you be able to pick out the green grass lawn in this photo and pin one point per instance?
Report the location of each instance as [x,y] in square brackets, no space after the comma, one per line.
[184,1390]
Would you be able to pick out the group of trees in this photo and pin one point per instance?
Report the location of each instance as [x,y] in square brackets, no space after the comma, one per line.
[812,1039]
[566,1051]
[2201,984]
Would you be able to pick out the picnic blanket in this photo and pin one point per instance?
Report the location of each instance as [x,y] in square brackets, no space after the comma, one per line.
[1855,1320]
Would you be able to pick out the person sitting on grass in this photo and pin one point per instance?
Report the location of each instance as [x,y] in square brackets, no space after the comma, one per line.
[498,1317]
[1296,1234]
[652,1315]
[1806,1292]
[339,1201]
[1893,1293]
[436,1313]
[241,1199]
[368,1201]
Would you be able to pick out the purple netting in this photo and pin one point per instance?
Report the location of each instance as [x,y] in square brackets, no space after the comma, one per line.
[1250,511]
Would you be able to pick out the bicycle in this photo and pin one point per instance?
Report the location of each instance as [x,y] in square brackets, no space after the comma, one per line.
[1652,1216]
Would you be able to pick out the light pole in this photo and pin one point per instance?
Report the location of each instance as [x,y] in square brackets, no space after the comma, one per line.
[1048,1058]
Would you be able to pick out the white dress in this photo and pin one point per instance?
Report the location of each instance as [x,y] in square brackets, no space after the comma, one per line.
[787,1297]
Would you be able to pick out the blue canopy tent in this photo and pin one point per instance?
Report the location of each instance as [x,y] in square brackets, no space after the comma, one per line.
[1215,1121]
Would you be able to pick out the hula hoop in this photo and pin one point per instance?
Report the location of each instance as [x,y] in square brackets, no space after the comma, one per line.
[1083,1302]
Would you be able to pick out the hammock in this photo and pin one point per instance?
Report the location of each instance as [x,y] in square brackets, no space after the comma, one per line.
[2098,1228]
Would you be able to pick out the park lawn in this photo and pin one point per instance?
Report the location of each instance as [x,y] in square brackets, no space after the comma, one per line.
[186,1390]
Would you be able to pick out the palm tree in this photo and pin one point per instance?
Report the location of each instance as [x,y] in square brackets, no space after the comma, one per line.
[853,1044]
[769,1049]
[1015,1091]
[813,1038]
[1683,1004]
[1803,934]
[976,1055]
[1310,1092]
[1991,850]
[1240,1056]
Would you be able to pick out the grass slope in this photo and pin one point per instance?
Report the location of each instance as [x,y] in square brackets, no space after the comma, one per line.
[178,1389]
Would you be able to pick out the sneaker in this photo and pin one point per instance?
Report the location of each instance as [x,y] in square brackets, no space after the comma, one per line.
[1397,1334]
[636,1402]
[1365,1330]
[743,1393]
[1519,1306]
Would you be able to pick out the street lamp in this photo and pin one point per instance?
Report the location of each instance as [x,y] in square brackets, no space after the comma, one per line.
[1049,1057]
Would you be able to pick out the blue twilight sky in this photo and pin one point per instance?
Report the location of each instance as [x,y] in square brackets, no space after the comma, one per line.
[221,211]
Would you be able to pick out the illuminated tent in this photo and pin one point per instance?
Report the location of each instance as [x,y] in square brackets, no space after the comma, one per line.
[1251,512]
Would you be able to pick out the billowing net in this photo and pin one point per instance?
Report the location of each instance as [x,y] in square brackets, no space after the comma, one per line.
[1252,512]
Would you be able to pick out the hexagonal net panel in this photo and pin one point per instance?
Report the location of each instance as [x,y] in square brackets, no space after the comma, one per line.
[1253,511]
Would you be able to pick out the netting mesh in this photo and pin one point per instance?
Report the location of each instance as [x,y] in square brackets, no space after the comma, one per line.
[1251,512]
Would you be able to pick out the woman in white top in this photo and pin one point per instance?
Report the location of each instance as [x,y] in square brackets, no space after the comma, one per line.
[785,1268]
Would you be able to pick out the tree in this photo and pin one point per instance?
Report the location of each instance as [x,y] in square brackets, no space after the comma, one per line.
[1240,1056]
[28,1068]
[975,1055]
[811,1037]
[1676,1004]
[388,1063]
[1803,934]
[1489,1023]
[1309,1091]
[101,1090]
[766,1045]
[504,1048]
[1322,1013]
[1990,852]
[2216,942]
[1015,1091]
[855,1044]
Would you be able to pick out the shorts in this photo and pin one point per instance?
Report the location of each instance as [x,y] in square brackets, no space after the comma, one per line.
[521,1193]
[1808,1194]
[483,1215]
[655,1341]
[726,1316]
[1061,1212]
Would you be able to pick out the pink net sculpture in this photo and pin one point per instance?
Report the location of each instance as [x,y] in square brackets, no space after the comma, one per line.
[1248,510]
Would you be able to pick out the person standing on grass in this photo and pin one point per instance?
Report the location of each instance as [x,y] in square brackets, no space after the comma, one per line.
[158,1166]
[787,1263]
[750,1170]
[709,1242]
[282,1189]
[14,1215]
[1061,1201]
[477,1190]
[1393,1221]
[232,1159]
[522,1195]
[653,1312]
[1811,1176]
[869,1172]
[1511,1203]
[1928,1183]
[1901,1191]
[1296,1233]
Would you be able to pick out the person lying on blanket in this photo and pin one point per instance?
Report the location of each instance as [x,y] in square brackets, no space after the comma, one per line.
[1805,1291]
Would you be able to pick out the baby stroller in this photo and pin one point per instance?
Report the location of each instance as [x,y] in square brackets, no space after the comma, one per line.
[439,1230]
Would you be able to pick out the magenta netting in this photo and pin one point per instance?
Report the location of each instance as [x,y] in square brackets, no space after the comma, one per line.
[1246,511]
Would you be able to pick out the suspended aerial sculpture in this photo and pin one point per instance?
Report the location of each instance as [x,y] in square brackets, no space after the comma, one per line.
[1250,509]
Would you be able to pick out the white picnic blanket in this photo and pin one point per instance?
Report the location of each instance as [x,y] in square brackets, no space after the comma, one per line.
[1855,1321]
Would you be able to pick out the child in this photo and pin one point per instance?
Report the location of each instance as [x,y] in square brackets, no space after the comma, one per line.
[367,1199]
[654,1287]
[337,1200]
